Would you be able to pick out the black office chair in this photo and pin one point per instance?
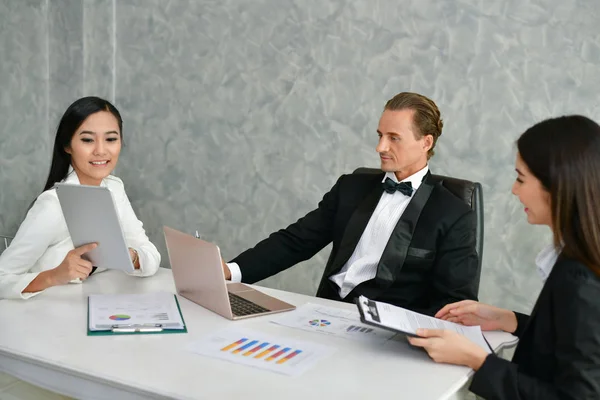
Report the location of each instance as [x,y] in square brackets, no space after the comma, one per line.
[469,192]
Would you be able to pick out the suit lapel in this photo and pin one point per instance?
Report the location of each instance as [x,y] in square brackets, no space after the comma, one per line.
[355,228]
[395,251]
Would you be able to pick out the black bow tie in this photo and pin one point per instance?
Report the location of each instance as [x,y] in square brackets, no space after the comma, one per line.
[403,187]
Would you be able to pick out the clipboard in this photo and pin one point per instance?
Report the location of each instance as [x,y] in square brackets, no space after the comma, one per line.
[369,307]
[136,329]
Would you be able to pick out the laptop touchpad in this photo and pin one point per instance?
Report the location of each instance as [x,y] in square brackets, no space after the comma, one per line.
[238,287]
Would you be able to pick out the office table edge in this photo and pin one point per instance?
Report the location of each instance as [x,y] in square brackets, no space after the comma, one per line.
[34,378]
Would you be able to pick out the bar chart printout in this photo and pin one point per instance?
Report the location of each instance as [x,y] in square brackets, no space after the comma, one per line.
[256,349]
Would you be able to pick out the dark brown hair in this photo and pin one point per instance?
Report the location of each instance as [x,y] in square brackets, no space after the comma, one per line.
[564,154]
[427,119]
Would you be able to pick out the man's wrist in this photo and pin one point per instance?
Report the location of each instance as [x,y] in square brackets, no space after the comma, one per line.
[235,274]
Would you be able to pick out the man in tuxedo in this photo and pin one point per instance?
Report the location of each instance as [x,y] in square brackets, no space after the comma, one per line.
[398,237]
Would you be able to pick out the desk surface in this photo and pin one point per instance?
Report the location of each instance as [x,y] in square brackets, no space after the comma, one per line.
[61,357]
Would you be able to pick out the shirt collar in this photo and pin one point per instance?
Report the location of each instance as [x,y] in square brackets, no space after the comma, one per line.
[415,179]
[545,260]
[73,179]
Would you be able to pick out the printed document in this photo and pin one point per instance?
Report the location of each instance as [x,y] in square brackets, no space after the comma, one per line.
[108,311]
[259,350]
[332,321]
[402,320]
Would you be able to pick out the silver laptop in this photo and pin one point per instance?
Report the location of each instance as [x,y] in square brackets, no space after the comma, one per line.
[91,217]
[199,277]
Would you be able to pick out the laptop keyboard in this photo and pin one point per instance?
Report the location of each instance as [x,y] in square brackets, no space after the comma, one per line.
[241,306]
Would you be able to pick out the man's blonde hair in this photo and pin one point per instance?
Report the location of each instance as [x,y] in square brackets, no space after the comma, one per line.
[427,119]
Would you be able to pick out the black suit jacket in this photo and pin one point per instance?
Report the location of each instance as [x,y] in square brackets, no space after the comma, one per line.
[429,261]
[558,355]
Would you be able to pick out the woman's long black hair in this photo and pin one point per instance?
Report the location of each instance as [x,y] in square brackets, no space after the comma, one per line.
[564,155]
[72,119]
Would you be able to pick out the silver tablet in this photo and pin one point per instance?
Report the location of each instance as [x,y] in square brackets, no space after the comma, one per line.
[92,217]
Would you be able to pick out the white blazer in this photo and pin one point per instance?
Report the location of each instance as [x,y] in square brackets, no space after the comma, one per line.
[43,240]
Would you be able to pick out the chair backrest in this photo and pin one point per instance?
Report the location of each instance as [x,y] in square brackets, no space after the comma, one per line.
[469,192]
[4,242]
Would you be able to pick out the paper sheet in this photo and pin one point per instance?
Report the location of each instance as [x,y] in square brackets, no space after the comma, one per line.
[404,320]
[110,310]
[331,321]
[259,350]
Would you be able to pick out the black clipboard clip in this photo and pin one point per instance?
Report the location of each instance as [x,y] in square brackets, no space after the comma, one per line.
[371,309]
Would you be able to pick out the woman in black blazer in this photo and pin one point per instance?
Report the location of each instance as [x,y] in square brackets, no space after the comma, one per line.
[558,355]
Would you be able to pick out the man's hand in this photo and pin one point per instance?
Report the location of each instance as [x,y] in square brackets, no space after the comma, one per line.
[226,270]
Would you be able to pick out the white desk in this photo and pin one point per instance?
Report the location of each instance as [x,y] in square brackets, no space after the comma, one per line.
[60,357]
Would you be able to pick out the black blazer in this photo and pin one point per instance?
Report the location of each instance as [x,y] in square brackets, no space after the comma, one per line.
[429,261]
[558,355]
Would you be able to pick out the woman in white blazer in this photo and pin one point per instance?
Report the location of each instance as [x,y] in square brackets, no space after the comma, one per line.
[86,151]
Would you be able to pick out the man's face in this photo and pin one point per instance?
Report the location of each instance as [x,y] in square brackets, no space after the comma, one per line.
[399,149]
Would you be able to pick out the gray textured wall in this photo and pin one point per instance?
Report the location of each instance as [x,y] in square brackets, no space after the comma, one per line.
[239,114]
[24,141]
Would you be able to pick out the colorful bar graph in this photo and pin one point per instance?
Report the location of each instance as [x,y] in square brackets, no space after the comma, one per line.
[234,344]
[244,347]
[259,350]
[289,356]
[280,352]
[267,351]
[255,349]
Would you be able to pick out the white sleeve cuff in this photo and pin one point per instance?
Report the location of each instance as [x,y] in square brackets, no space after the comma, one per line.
[236,273]
[148,264]
[23,283]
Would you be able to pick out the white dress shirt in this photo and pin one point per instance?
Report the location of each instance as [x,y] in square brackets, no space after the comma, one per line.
[43,240]
[545,261]
[362,265]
